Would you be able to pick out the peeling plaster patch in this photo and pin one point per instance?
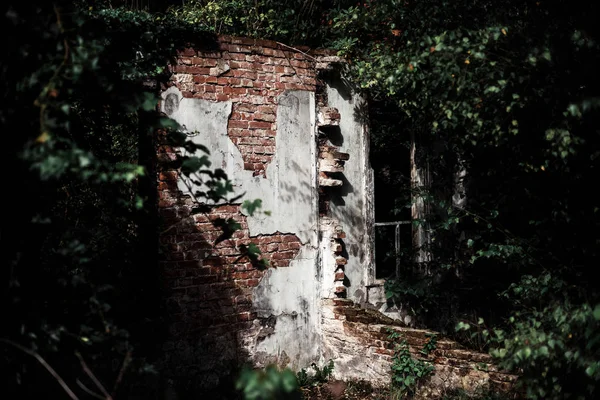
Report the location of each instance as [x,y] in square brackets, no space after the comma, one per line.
[327,261]
[283,290]
[268,328]
[206,123]
[294,344]
[289,188]
[288,296]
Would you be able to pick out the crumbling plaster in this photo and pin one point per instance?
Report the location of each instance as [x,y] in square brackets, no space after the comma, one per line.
[349,205]
[254,106]
[286,296]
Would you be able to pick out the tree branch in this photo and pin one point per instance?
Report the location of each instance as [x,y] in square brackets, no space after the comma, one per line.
[93,377]
[122,371]
[298,50]
[35,355]
[88,391]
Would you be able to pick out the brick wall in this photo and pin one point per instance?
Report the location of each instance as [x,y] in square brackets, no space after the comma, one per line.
[208,288]
[252,74]
[359,336]
[214,316]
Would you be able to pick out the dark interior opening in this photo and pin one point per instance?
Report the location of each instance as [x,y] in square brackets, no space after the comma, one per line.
[390,160]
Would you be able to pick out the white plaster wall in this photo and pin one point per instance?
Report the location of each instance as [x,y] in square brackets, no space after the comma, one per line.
[288,296]
[291,294]
[352,209]
[206,123]
[289,190]
[328,262]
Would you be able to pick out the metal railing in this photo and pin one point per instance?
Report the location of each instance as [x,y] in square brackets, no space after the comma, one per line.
[397,225]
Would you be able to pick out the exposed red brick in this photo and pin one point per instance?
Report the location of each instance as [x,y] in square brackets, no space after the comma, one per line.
[219,272]
[259,71]
[209,287]
[168,176]
[194,69]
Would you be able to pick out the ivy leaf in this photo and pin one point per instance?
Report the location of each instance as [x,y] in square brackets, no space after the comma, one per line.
[251,206]
[229,227]
[193,164]
[149,102]
[596,312]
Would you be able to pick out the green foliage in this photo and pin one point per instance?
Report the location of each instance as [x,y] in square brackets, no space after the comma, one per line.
[481,393]
[508,94]
[268,384]
[545,344]
[80,91]
[409,372]
[250,206]
[547,338]
[252,251]
[296,22]
[430,346]
[319,375]
[492,91]
[414,289]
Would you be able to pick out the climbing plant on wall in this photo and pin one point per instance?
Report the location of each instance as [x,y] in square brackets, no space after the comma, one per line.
[80,91]
[509,94]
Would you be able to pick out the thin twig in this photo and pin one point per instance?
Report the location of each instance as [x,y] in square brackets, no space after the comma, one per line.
[121,372]
[294,68]
[32,353]
[298,50]
[93,377]
[88,391]
[510,236]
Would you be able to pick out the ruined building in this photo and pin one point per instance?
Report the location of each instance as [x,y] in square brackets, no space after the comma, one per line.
[287,129]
